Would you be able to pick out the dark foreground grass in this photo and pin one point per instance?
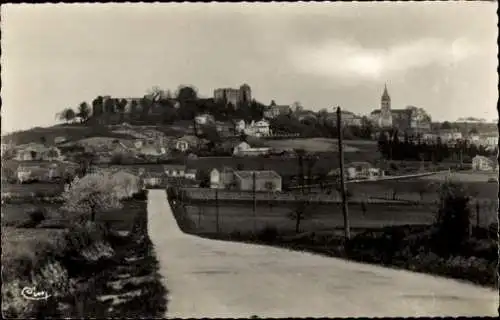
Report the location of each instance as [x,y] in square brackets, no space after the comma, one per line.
[128,284]
[122,284]
[406,246]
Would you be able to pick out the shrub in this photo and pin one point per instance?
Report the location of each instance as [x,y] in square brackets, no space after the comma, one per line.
[125,184]
[140,195]
[453,218]
[37,215]
[268,234]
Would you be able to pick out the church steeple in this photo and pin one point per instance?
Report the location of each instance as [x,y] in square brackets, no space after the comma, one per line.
[385,95]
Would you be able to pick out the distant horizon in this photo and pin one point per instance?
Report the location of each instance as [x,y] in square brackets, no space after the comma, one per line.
[441,57]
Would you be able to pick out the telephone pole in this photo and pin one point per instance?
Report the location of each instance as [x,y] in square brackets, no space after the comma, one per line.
[254,203]
[217,209]
[342,178]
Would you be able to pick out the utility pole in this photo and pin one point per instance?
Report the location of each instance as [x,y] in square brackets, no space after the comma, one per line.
[217,209]
[478,220]
[342,178]
[199,216]
[254,202]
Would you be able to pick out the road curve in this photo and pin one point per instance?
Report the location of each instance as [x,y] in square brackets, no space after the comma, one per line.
[210,278]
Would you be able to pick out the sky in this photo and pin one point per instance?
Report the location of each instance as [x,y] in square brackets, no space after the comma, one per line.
[440,56]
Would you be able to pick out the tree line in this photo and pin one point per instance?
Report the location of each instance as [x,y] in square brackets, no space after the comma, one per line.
[160,106]
[411,149]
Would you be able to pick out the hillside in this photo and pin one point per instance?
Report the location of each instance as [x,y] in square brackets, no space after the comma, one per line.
[76,132]
[70,132]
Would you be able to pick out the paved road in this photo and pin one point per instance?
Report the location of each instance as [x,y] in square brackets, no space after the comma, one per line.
[209,278]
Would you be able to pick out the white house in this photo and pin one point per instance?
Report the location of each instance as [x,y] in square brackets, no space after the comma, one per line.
[190,174]
[491,141]
[221,179]
[244,149]
[259,128]
[174,170]
[362,170]
[23,174]
[215,179]
[186,142]
[481,163]
[430,137]
[449,135]
[474,139]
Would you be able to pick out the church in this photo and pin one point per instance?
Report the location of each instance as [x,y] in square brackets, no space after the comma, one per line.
[411,118]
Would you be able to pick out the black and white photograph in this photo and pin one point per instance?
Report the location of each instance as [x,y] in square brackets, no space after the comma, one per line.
[249,160]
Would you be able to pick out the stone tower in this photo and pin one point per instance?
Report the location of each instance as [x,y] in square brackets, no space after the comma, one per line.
[385,109]
[245,93]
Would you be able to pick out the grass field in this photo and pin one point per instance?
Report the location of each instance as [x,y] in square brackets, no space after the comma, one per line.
[119,219]
[408,189]
[29,244]
[241,217]
[25,190]
[16,214]
[323,145]
[464,177]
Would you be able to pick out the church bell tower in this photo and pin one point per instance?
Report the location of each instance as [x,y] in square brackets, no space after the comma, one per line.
[385,109]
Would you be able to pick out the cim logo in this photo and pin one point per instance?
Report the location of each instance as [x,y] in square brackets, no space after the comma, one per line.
[33,294]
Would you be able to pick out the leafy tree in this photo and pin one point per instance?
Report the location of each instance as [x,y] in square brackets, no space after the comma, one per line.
[91,194]
[446,125]
[453,217]
[83,111]
[85,161]
[383,144]
[186,93]
[473,131]
[67,115]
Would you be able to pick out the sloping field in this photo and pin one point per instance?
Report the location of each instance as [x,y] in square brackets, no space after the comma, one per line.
[70,132]
[316,145]
[28,243]
[463,176]
[103,143]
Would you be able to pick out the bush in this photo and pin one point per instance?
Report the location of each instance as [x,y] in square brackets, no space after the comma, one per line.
[140,195]
[453,218]
[268,234]
[36,215]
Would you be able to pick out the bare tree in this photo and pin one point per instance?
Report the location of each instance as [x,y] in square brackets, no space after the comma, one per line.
[301,212]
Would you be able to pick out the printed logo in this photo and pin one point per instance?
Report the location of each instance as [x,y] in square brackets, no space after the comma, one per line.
[33,294]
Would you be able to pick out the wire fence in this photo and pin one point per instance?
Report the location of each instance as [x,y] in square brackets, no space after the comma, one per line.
[228,211]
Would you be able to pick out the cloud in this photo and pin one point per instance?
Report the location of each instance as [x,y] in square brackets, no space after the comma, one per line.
[350,61]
